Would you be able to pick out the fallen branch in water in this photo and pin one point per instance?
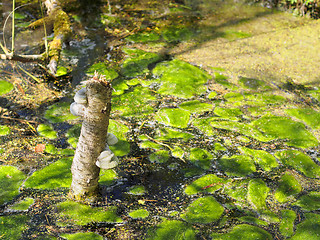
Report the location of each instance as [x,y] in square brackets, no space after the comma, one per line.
[23,58]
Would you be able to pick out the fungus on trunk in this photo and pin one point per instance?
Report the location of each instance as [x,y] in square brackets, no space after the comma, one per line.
[94,104]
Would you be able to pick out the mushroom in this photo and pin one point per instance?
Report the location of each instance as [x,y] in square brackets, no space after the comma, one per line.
[77,109]
[111,139]
[81,96]
[107,159]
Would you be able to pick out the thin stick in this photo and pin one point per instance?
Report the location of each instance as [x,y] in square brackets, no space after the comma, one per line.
[12,27]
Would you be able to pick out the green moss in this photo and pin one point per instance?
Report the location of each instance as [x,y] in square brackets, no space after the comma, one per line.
[23,205]
[143,37]
[222,80]
[178,152]
[81,214]
[165,134]
[137,190]
[229,113]
[257,194]
[122,148]
[47,131]
[139,214]
[160,156]
[61,71]
[219,147]
[288,187]
[300,162]
[102,69]
[252,220]
[308,115]
[82,236]
[264,159]
[11,179]
[119,87]
[233,97]
[309,202]
[232,35]
[173,230]
[237,165]
[309,228]
[208,183]
[137,62]
[243,232]
[200,210]
[151,145]
[174,117]
[287,222]
[73,135]
[4,130]
[252,83]
[107,176]
[212,95]
[59,112]
[180,79]
[200,158]
[5,87]
[283,128]
[196,106]
[51,149]
[203,124]
[177,33]
[11,227]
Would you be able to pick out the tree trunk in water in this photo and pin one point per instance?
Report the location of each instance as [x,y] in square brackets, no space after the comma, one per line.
[92,141]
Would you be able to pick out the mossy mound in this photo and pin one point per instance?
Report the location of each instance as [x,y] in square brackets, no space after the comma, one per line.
[200,158]
[208,183]
[308,115]
[47,131]
[287,222]
[5,87]
[11,227]
[309,202]
[139,214]
[243,232]
[237,165]
[257,194]
[4,130]
[288,187]
[308,229]
[82,236]
[59,112]
[174,117]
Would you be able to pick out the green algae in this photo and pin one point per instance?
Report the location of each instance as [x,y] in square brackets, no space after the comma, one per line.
[59,112]
[288,187]
[212,95]
[137,62]
[229,113]
[165,134]
[61,71]
[102,69]
[139,214]
[287,222]
[47,131]
[180,79]
[4,130]
[5,87]
[299,161]
[200,210]
[243,232]
[80,214]
[294,133]
[309,228]
[237,165]
[257,194]
[137,190]
[143,37]
[196,106]
[264,159]
[107,176]
[208,183]
[308,115]
[177,33]
[82,236]
[252,220]
[160,156]
[309,202]
[200,158]
[11,227]
[173,230]
[11,179]
[173,117]
[203,124]
[222,80]
[253,84]
[23,205]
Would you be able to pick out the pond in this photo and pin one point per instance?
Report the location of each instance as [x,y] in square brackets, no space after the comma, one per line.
[207,150]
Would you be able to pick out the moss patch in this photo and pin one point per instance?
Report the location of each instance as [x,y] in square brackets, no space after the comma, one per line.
[308,115]
[208,183]
[23,205]
[237,165]
[139,214]
[11,227]
[102,69]
[288,186]
[59,112]
[196,106]
[200,158]
[243,232]
[5,87]
[4,130]
[287,222]
[160,156]
[309,202]
[47,131]
[309,228]
[257,194]
[174,117]
[82,236]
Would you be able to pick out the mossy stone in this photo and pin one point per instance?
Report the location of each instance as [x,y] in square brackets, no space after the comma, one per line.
[59,112]
[82,236]
[243,232]
[11,179]
[165,134]
[196,106]
[212,95]
[47,131]
[208,183]
[287,222]
[151,145]
[288,187]
[229,113]
[160,156]
[173,230]
[309,228]
[295,133]
[309,202]
[252,83]
[143,37]
[222,79]
[23,205]
[102,69]
[203,124]
[300,162]
[201,210]
[139,214]
[174,117]
[4,130]
[219,147]
[11,227]
[5,87]
[257,194]
[137,190]
[81,214]
[177,33]
[237,165]
[253,220]
[180,79]
[308,115]
[107,176]
[233,97]
[200,158]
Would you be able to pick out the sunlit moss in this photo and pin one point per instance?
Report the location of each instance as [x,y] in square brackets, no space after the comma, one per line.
[212,95]
[203,124]
[237,165]
[137,190]
[288,186]
[139,214]
[143,37]
[257,194]
[171,229]
[196,106]
[174,117]
[300,162]
[11,227]
[229,113]
[208,183]
[232,35]
[253,220]
[5,87]
[287,222]
[221,79]
[102,69]
[309,202]
[200,158]
[81,236]
[165,134]
[160,156]
[59,112]
[23,205]
[11,179]
[107,176]
[200,210]
[253,83]
[47,131]
[80,214]
[177,33]
[309,228]
[243,232]
[4,130]
[308,115]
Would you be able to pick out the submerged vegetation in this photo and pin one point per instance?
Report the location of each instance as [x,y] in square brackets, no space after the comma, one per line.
[204,154]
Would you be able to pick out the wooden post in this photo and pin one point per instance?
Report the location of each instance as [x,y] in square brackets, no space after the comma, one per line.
[92,141]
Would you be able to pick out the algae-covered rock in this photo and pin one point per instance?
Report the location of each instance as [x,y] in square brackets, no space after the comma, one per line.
[47,131]
[5,87]
[160,156]
[309,202]
[139,214]
[200,158]
[201,210]
[4,130]
[82,236]
[208,183]
[237,165]
[174,117]
[308,229]
[59,112]
[23,205]
[288,186]
[257,194]
[252,83]
[287,222]
[243,232]
[196,106]
[11,227]
[300,162]
[308,115]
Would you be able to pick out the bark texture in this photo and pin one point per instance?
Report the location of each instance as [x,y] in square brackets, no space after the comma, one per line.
[92,141]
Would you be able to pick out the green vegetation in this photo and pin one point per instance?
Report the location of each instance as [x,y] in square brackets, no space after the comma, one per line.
[5,87]
[47,131]
[139,214]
